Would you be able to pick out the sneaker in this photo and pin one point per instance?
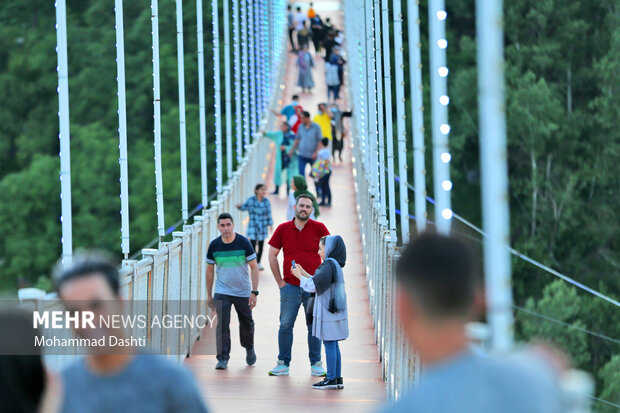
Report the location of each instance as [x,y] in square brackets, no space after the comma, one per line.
[326,384]
[250,357]
[317,369]
[340,382]
[280,369]
[260,267]
[221,365]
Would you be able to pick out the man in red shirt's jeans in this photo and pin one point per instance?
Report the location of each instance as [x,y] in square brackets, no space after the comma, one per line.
[299,239]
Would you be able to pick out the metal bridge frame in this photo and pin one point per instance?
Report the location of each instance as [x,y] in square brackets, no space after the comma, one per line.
[368,51]
[174,270]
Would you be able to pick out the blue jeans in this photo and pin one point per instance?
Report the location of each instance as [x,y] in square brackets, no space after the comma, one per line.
[333,359]
[302,164]
[333,90]
[291,298]
[326,193]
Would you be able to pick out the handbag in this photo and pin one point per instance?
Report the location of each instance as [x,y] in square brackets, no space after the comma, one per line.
[285,159]
[286,141]
[310,309]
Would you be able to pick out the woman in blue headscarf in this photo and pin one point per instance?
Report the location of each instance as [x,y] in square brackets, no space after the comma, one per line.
[330,318]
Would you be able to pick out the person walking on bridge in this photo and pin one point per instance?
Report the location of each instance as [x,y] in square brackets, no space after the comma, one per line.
[259,208]
[283,140]
[305,64]
[291,27]
[299,186]
[299,239]
[308,137]
[235,259]
[324,119]
[288,110]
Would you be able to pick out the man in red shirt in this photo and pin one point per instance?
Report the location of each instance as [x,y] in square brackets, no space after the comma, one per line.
[299,239]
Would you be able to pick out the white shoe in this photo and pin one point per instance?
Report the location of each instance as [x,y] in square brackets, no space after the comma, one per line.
[317,369]
[260,267]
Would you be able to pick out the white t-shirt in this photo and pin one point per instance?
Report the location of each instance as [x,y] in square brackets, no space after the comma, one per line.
[300,18]
[324,154]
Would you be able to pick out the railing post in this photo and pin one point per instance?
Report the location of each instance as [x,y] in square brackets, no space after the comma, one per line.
[494,172]
[64,135]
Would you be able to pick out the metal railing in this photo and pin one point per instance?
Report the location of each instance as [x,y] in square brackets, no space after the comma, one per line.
[173,275]
[376,203]
[380,251]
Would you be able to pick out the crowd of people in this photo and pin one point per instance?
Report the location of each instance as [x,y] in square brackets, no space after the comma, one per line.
[308,147]
[308,27]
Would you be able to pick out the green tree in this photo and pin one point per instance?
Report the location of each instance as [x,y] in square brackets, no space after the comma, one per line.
[562,303]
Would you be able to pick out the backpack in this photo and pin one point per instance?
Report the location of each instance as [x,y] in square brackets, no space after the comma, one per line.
[320,168]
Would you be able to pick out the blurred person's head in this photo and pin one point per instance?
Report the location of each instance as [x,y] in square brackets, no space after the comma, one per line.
[304,206]
[298,9]
[260,190]
[22,375]
[225,225]
[295,99]
[91,283]
[322,108]
[284,127]
[305,119]
[92,275]
[325,142]
[438,286]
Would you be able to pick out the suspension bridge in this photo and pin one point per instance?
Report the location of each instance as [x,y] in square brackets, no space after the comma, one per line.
[371,188]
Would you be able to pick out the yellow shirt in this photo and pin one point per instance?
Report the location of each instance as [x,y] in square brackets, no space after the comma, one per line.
[325,122]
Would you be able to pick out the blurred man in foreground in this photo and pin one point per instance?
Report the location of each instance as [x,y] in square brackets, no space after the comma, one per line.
[121,379]
[437,285]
